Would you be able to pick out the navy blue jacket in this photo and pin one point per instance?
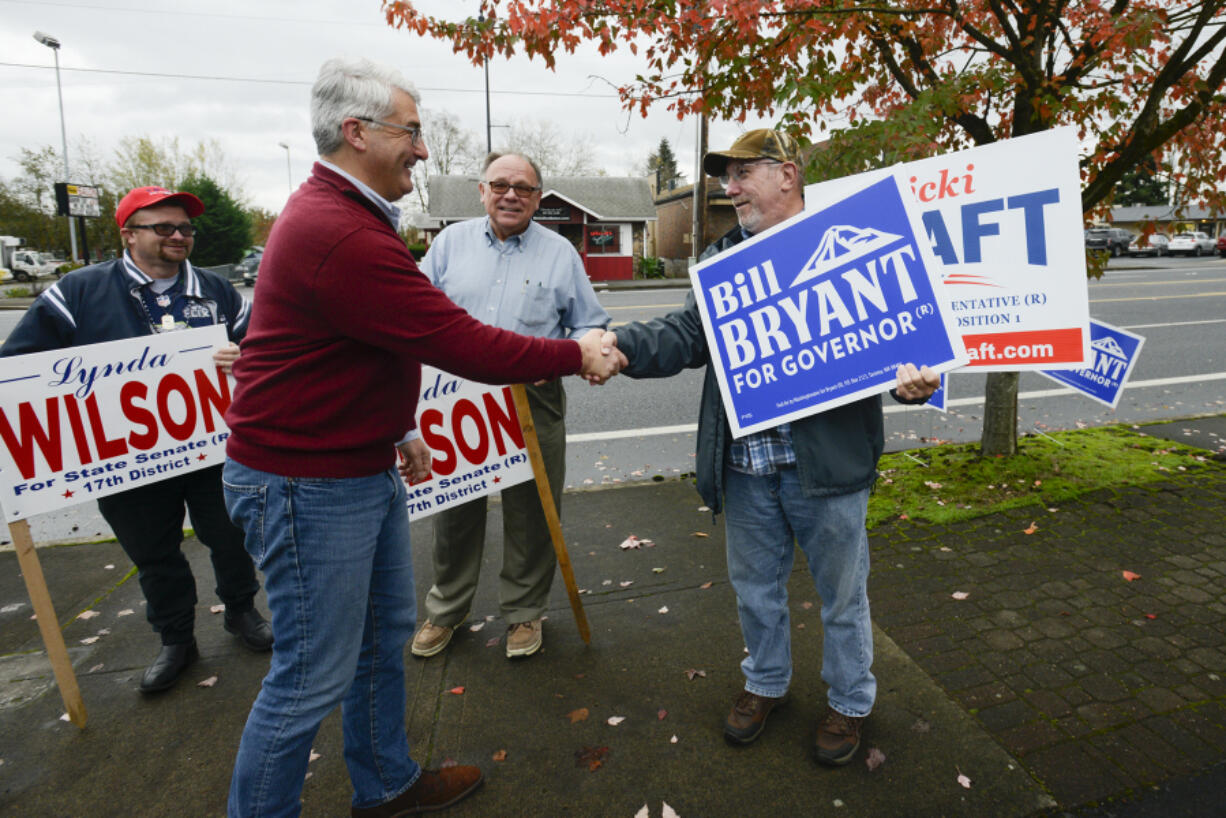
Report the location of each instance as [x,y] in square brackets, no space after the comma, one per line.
[103,302]
[836,450]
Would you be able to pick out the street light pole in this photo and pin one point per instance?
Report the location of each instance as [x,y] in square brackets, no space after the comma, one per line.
[289,176]
[54,45]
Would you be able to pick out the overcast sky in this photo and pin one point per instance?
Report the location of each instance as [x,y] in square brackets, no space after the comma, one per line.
[241,72]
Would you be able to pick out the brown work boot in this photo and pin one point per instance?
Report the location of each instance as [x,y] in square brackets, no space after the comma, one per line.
[431,639]
[433,790]
[524,638]
[838,737]
[748,716]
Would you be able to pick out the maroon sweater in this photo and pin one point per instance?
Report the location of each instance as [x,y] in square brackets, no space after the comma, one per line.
[330,369]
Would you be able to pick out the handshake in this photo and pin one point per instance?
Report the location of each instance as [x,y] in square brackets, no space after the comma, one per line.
[601,357]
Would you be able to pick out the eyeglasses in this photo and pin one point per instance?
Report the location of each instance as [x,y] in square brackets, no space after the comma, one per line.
[521,190]
[742,173]
[414,131]
[166,229]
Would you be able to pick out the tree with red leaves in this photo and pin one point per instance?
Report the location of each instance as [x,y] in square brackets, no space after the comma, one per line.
[896,80]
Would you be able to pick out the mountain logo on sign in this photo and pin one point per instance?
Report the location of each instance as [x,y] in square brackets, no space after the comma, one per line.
[1109,346]
[840,244]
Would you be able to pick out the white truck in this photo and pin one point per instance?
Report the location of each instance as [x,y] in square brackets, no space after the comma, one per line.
[21,263]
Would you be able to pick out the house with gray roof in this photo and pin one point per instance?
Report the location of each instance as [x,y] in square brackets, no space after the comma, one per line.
[1168,219]
[604,217]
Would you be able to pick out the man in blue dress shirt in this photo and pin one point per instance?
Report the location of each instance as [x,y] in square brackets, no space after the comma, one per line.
[508,271]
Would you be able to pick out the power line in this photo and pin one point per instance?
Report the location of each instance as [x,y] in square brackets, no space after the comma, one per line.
[265,81]
[177,13]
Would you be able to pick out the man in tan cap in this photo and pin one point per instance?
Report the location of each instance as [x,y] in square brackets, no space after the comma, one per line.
[803,483]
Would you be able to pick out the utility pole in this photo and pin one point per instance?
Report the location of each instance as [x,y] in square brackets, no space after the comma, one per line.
[698,222]
[485,63]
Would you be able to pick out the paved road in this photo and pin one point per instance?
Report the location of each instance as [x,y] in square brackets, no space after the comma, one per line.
[629,430]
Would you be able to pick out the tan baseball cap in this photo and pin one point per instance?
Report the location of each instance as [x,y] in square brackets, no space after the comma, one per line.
[763,143]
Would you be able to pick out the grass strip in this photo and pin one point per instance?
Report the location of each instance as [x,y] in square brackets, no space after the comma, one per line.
[944,484]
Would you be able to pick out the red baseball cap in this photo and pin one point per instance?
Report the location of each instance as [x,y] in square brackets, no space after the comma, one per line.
[140,197]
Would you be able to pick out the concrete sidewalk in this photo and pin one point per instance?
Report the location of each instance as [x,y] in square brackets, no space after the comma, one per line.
[1050,686]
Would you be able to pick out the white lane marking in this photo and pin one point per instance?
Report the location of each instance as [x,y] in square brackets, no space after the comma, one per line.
[619,434]
[1177,324]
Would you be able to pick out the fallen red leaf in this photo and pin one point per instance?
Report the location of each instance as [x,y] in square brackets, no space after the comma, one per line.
[591,757]
[577,715]
[661,714]
[1130,576]
[1151,616]
[904,517]
[456,690]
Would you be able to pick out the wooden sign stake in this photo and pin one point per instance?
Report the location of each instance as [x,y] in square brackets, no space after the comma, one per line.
[48,624]
[551,511]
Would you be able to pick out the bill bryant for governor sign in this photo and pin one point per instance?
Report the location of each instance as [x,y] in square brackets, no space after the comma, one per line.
[820,310]
[83,422]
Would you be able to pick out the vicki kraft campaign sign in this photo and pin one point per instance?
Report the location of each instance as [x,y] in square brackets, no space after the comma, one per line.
[83,422]
[820,310]
[1004,221]
[475,440]
[1115,353]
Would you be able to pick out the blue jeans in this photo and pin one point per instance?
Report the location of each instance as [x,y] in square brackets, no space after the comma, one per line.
[339,578]
[767,517]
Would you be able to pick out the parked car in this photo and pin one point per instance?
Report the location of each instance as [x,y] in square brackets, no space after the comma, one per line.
[1155,244]
[1114,240]
[1192,244]
[249,268]
[1221,245]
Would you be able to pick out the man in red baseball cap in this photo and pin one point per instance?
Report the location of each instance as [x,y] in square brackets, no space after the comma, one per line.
[142,197]
[152,288]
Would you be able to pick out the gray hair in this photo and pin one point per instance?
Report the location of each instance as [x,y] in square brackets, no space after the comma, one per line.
[351,87]
[495,156]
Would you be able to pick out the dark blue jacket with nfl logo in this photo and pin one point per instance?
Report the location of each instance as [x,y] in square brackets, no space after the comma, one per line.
[103,302]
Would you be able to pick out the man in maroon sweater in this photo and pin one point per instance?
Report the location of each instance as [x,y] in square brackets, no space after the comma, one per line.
[327,390]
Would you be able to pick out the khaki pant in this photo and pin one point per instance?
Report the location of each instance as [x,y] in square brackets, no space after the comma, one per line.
[528,558]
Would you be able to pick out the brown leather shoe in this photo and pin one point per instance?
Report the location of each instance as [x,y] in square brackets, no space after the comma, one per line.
[434,790]
[838,737]
[524,638]
[431,639]
[748,716]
